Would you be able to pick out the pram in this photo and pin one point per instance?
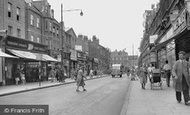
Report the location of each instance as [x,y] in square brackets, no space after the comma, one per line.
[156,79]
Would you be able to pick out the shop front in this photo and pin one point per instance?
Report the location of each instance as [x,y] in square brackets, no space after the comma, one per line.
[66,63]
[81,59]
[32,60]
[177,38]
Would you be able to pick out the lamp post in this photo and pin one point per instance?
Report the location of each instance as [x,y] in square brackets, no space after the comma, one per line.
[63,28]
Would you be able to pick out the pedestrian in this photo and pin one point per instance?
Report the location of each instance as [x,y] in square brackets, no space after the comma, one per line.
[143,76]
[80,80]
[91,73]
[167,72]
[22,74]
[181,78]
[17,76]
[150,71]
[52,74]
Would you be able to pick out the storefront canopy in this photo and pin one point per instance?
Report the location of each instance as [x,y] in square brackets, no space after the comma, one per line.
[3,54]
[23,54]
[33,56]
[49,58]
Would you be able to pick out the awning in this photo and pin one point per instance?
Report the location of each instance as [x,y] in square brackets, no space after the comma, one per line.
[48,58]
[23,54]
[3,54]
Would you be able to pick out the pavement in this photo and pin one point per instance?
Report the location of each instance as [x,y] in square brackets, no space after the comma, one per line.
[152,102]
[13,89]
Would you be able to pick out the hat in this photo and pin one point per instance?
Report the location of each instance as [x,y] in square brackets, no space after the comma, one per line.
[182,52]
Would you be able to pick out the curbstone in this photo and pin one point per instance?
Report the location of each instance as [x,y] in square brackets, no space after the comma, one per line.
[43,87]
[126,101]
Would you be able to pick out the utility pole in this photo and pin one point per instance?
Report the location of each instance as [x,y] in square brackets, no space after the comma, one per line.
[133,55]
[62,48]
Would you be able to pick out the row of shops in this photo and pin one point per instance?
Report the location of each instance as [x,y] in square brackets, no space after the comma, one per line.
[175,39]
[20,53]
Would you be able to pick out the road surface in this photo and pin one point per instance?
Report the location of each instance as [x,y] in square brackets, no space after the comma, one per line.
[104,96]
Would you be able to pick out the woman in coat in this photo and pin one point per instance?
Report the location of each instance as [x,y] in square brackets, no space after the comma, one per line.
[181,78]
[80,80]
[143,76]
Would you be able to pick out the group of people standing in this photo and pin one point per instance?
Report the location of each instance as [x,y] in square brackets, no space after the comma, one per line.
[20,75]
[179,72]
[57,73]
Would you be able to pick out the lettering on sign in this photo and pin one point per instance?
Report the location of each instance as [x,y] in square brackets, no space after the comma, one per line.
[12,43]
[30,46]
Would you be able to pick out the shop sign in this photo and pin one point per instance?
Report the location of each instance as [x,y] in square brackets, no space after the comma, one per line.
[167,36]
[81,55]
[73,54]
[14,42]
[180,23]
[152,39]
[153,57]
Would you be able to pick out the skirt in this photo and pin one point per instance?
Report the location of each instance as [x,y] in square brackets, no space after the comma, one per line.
[80,82]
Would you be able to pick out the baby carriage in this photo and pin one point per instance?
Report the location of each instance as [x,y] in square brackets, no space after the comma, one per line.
[156,79]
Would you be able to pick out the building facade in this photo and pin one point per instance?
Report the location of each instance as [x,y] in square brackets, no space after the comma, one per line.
[171,25]
[12,19]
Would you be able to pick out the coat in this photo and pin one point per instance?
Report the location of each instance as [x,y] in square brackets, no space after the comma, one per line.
[80,78]
[143,75]
[180,68]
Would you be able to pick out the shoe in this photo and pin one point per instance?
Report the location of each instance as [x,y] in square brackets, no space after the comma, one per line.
[179,101]
[77,90]
[84,89]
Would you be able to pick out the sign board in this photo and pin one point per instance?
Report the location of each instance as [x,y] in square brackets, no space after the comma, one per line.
[167,36]
[73,55]
[152,38]
[78,47]
[180,22]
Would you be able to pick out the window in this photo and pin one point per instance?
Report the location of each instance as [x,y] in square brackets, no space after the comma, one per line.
[38,40]
[54,30]
[50,26]
[10,30]
[38,23]
[18,32]
[32,38]
[50,43]
[57,31]
[46,25]
[9,9]
[31,19]
[18,13]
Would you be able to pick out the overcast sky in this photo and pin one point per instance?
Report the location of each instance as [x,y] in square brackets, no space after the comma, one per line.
[117,23]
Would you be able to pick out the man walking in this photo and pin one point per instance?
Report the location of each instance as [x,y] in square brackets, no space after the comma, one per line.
[181,78]
[167,71]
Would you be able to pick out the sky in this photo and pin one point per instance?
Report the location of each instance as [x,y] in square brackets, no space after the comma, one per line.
[118,24]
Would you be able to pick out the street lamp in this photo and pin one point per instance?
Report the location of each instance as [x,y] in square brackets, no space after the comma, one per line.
[62,48]
[71,10]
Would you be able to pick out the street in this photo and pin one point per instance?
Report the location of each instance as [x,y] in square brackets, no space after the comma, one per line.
[104,96]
